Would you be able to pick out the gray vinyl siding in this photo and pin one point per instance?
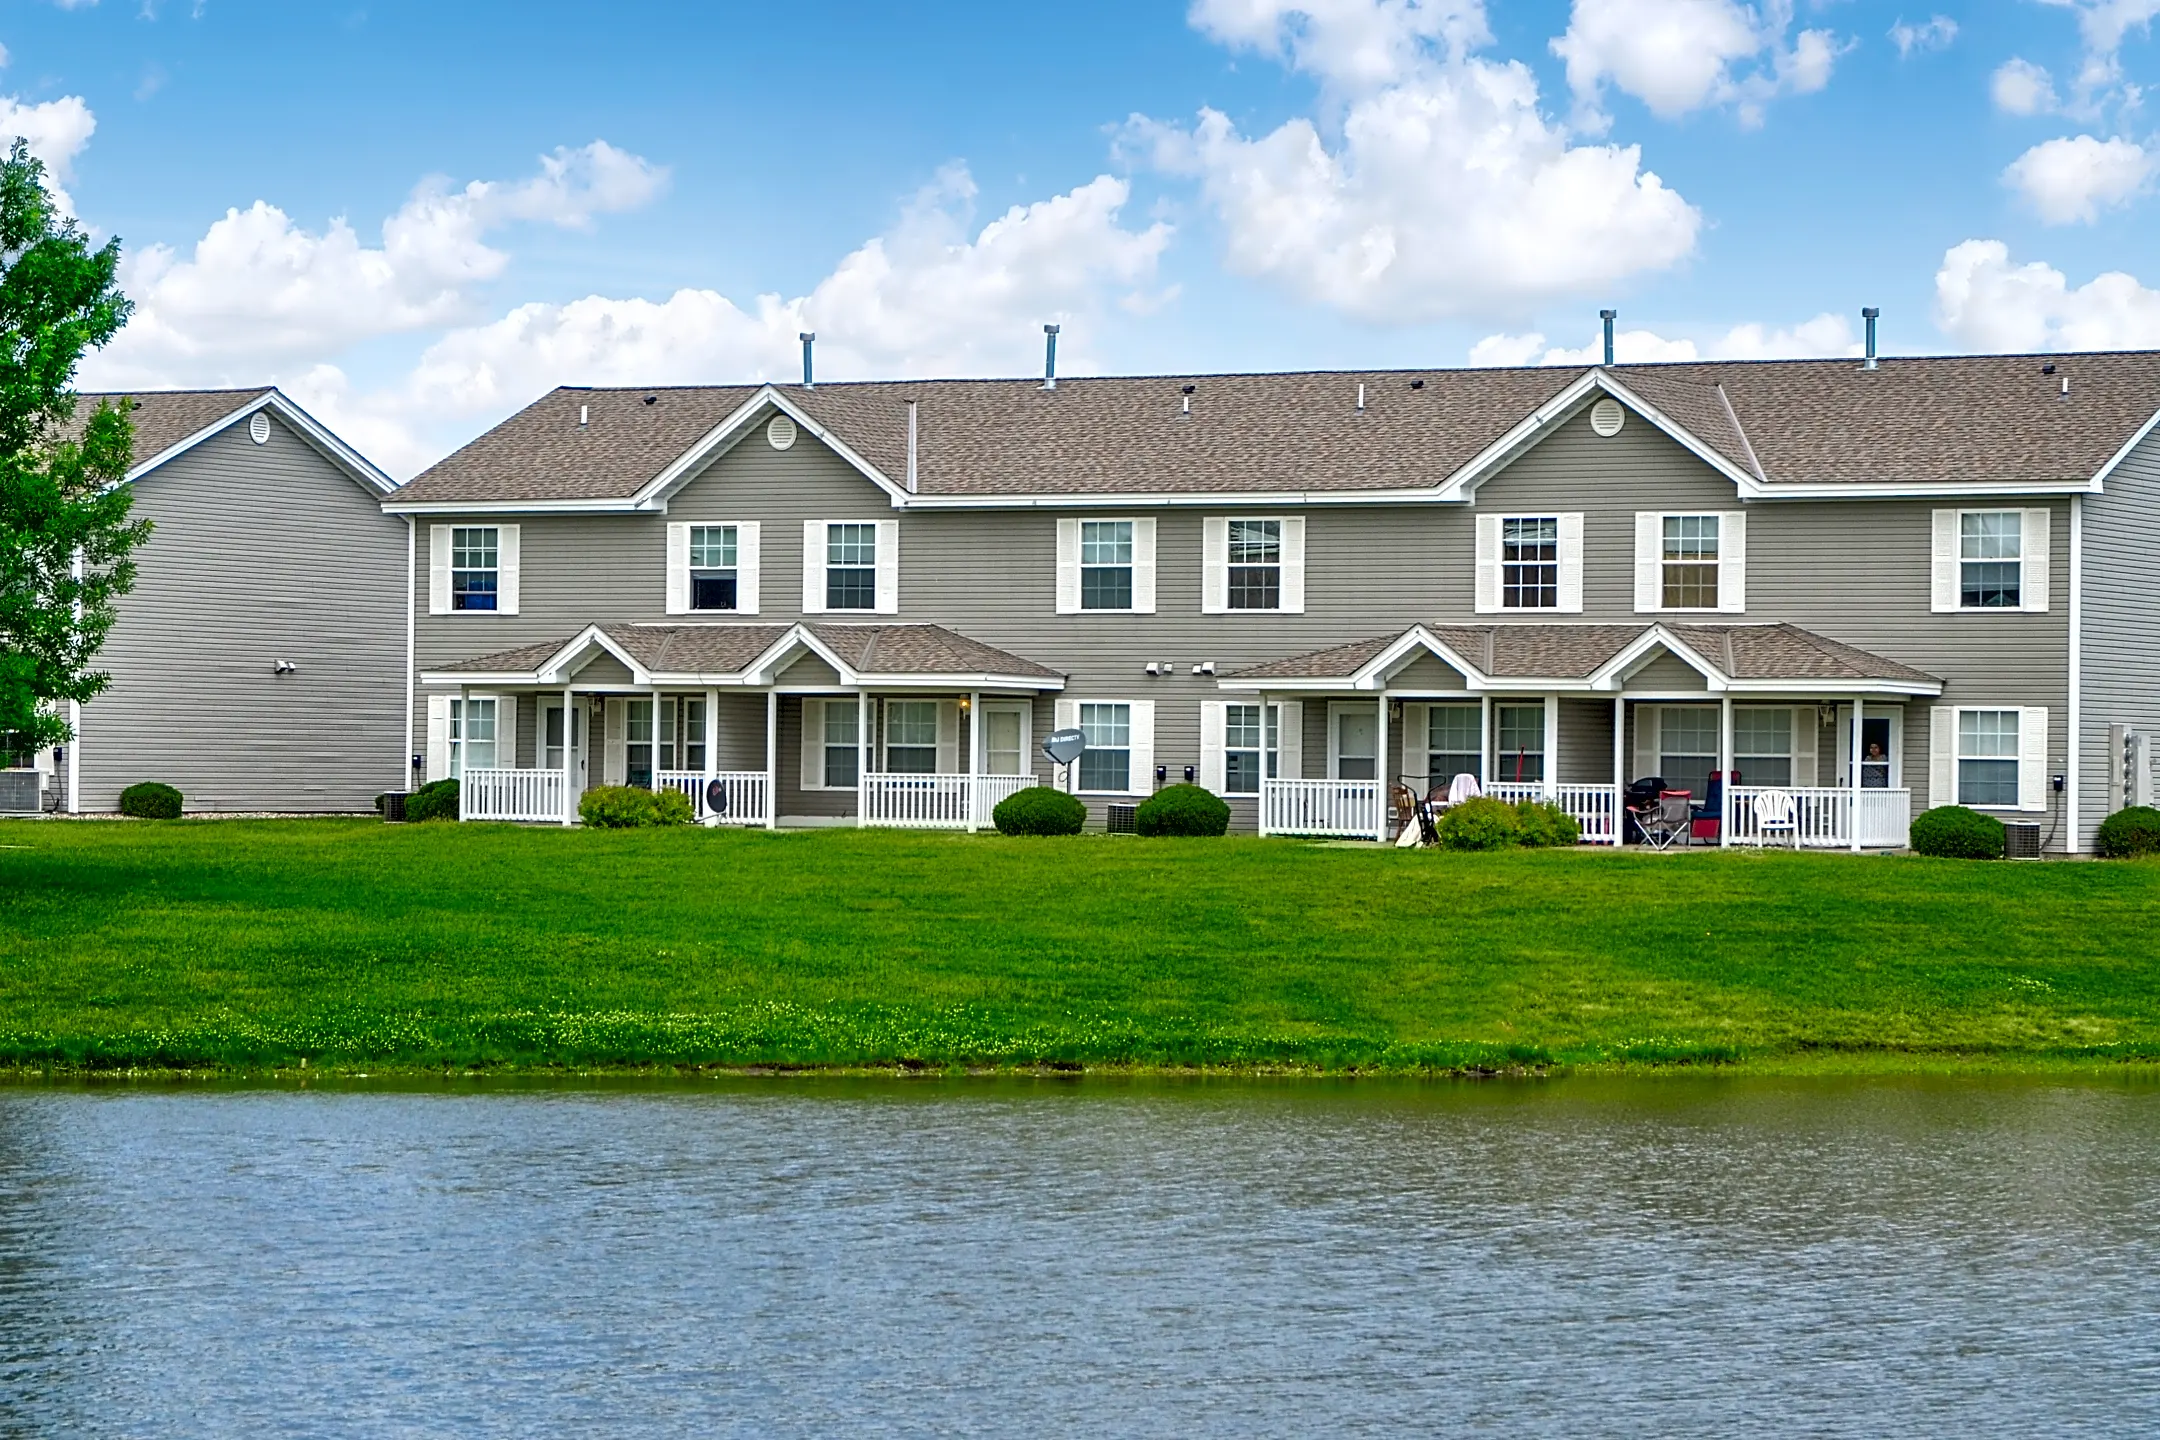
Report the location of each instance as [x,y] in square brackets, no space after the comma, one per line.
[1585,742]
[2121,668]
[261,553]
[1857,571]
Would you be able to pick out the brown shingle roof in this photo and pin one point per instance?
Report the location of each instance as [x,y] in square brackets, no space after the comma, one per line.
[1559,652]
[524,657]
[721,649]
[163,418]
[1933,420]
[699,649]
[1787,652]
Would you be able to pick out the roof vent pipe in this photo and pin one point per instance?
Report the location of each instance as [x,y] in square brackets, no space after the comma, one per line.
[1361,397]
[1050,334]
[1608,316]
[808,338]
[1870,314]
[581,414]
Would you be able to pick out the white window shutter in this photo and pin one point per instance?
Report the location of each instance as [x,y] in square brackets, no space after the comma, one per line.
[1732,562]
[1068,566]
[813,743]
[1140,780]
[1488,564]
[1571,563]
[1213,768]
[2033,584]
[1067,714]
[1646,741]
[1943,565]
[506,569]
[813,567]
[438,602]
[617,763]
[1143,566]
[506,736]
[948,738]
[888,567]
[2032,757]
[1942,753]
[678,568]
[1290,740]
[1293,565]
[1805,738]
[1215,566]
[746,568]
[438,736]
[1649,562]
[1416,736]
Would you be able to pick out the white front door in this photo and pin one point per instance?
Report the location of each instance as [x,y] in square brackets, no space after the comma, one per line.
[1882,747]
[1357,741]
[1005,738]
[551,742]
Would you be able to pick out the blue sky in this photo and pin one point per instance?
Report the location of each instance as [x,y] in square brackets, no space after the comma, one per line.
[440,210]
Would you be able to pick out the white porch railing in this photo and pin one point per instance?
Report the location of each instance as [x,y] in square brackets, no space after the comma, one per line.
[1826,816]
[742,794]
[1592,806]
[510,795]
[935,802]
[1349,808]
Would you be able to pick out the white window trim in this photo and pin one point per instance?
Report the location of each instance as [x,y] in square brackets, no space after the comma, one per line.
[1140,761]
[1946,587]
[1791,754]
[1215,745]
[508,565]
[1650,562]
[678,566]
[2032,757]
[812,745]
[816,536]
[1417,749]
[1491,569]
[1026,712]
[1069,566]
[1215,565]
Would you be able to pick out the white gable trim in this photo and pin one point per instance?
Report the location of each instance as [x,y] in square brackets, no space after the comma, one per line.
[2100,476]
[655,493]
[1640,651]
[336,451]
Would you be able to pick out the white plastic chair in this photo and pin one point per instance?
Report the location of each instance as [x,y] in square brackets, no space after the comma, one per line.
[1463,787]
[1775,811]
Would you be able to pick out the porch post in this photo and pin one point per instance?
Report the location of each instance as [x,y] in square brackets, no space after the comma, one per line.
[1619,770]
[1859,711]
[1485,741]
[1552,746]
[862,755]
[653,784]
[772,757]
[569,756]
[460,720]
[974,795]
[1725,797]
[711,722]
[1380,780]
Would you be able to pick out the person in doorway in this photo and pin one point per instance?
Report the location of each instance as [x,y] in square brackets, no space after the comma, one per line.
[1875,767]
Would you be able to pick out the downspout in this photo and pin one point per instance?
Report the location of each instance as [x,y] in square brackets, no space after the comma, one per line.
[74,749]
[412,544]
[2074,844]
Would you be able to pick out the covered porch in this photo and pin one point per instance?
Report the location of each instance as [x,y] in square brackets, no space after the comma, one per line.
[1575,714]
[757,725]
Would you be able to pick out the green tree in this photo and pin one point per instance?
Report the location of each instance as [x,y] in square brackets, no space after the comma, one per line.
[66,537]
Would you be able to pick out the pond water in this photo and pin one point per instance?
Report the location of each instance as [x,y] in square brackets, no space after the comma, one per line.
[795,1257]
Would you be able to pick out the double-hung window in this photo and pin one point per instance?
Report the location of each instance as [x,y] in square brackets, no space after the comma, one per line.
[1691,561]
[682,733]
[1987,757]
[843,739]
[1689,573]
[638,744]
[1251,564]
[475,569]
[1454,743]
[1106,764]
[1255,579]
[1763,744]
[713,577]
[1248,747]
[1530,563]
[1520,732]
[850,566]
[1106,564]
[1688,747]
[472,735]
[1991,568]
[911,737]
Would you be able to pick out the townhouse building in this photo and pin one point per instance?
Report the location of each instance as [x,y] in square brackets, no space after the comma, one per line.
[1882,586]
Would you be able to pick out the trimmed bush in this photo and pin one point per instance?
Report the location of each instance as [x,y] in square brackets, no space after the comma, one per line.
[436,800]
[629,807]
[1182,810]
[1540,824]
[2130,833]
[1480,824]
[1039,810]
[1956,833]
[150,801]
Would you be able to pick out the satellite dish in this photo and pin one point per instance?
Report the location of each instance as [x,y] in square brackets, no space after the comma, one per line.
[1064,746]
[716,797]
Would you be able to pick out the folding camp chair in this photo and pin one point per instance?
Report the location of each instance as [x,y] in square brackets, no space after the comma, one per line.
[1667,821]
[1776,811]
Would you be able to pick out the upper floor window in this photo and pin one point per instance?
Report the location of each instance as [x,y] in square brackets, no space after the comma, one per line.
[713,556]
[1255,565]
[712,567]
[474,567]
[1991,559]
[851,567]
[1252,564]
[1691,562]
[1530,563]
[1689,578]
[911,737]
[1106,564]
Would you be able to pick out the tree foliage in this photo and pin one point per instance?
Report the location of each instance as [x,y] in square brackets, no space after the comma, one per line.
[66,536]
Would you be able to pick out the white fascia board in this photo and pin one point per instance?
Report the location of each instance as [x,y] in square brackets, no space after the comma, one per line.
[1278,684]
[2123,454]
[480,677]
[1813,689]
[336,451]
[561,667]
[1612,675]
[510,507]
[1374,673]
[655,492]
[985,681]
[1185,499]
[1934,490]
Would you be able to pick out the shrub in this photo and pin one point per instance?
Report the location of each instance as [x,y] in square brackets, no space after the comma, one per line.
[436,800]
[1182,810]
[2131,832]
[1039,810]
[1540,824]
[1957,833]
[1480,824]
[150,801]
[628,807]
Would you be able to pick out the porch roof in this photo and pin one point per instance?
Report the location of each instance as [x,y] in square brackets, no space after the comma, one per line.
[1596,657]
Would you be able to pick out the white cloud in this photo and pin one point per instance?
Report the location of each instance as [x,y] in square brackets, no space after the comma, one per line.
[1825,335]
[1440,188]
[1935,33]
[1985,303]
[2070,181]
[1678,56]
[57,131]
[2020,87]
[928,298]
[259,293]
[2103,26]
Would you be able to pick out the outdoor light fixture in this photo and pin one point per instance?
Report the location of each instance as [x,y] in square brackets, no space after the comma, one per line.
[1826,714]
[283,667]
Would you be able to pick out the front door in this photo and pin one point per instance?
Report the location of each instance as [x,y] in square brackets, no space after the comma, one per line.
[1357,742]
[1005,738]
[1880,760]
[551,745]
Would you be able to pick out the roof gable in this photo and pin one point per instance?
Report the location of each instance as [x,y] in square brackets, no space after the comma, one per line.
[169,423]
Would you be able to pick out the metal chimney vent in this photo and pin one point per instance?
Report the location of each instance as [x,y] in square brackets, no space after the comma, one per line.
[780,432]
[1607,416]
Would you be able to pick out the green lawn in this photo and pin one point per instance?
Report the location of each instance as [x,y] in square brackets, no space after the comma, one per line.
[355,943]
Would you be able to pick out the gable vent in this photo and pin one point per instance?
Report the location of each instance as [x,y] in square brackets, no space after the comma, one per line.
[780,432]
[1607,416]
[259,428]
